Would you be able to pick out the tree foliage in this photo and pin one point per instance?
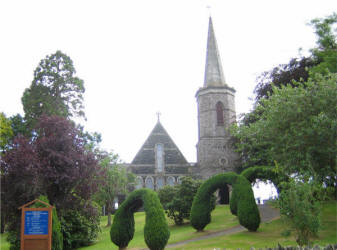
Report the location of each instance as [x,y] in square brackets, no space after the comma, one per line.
[299,126]
[254,147]
[323,59]
[283,74]
[300,210]
[156,232]
[6,131]
[55,90]
[326,51]
[54,163]
[117,181]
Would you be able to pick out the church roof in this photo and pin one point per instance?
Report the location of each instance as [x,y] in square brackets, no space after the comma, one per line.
[213,70]
[146,155]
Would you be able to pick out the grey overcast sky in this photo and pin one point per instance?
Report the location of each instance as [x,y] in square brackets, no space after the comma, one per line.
[140,57]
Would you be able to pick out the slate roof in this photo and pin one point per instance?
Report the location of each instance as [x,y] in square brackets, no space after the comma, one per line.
[146,155]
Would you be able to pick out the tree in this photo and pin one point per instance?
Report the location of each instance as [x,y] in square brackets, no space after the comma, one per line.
[54,163]
[298,128]
[283,74]
[116,181]
[326,51]
[55,90]
[18,125]
[6,132]
[323,60]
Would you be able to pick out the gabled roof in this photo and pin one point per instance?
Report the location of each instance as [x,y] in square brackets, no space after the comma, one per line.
[146,155]
[213,70]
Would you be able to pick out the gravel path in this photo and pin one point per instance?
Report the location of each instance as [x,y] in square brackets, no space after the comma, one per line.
[267,213]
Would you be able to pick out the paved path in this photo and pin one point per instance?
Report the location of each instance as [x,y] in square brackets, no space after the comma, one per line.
[267,214]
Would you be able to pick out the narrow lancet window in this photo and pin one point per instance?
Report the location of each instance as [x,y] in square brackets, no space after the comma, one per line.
[160,157]
[219,114]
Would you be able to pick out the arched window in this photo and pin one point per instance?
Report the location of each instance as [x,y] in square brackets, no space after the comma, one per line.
[219,114]
[160,182]
[179,180]
[139,182]
[149,182]
[170,181]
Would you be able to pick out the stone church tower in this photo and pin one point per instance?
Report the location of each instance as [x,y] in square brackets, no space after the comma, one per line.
[216,112]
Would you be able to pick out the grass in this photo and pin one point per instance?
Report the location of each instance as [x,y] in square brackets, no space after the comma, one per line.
[268,235]
[221,219]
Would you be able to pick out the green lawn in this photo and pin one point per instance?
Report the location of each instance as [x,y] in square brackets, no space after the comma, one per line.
[268,235]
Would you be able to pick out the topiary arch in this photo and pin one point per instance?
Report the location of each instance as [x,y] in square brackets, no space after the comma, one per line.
[156,233]
[264,173]
[242,201]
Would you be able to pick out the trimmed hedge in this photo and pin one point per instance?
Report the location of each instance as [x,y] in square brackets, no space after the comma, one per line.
[242,202]
[156,233]
[264,173]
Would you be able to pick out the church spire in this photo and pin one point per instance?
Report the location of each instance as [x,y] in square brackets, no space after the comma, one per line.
[213,71]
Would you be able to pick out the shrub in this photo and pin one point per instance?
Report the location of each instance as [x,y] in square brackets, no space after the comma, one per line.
[177,200]
[244,202]
[156,233]
[79,229]
[247,210]
[301,210]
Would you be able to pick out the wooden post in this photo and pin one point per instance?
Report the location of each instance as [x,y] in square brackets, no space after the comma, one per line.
[36,227]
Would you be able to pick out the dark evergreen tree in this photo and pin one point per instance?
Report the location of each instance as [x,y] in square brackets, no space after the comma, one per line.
[55,90]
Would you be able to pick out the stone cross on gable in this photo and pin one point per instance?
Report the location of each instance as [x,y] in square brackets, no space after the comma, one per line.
[158,116]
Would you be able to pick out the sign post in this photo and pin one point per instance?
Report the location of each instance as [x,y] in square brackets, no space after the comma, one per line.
[36,226]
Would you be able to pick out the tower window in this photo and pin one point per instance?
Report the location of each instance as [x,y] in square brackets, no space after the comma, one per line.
[219,114]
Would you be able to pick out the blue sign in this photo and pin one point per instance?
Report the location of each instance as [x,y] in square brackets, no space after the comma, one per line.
[36,222]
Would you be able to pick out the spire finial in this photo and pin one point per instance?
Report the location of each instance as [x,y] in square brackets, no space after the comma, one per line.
[213,70]
[158,115]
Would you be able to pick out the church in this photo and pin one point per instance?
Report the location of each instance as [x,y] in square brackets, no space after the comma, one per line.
[159,161]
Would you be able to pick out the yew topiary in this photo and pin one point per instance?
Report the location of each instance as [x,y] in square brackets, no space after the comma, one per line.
[265,173]
[242,202]
[156,233]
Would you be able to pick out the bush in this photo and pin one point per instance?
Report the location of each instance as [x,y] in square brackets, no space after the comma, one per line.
[244,202]
[247,210]
[177,200]
[79,229]
[301,210]
[156,233]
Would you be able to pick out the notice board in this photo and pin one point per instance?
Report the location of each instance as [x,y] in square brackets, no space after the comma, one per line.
[36,227]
